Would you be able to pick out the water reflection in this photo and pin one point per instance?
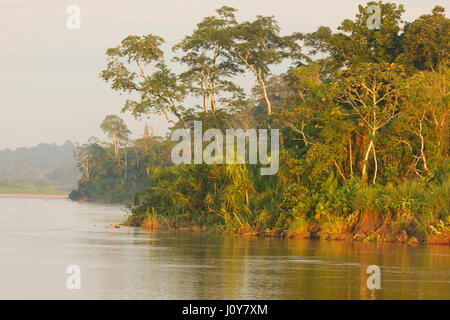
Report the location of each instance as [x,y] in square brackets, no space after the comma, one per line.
[40,238]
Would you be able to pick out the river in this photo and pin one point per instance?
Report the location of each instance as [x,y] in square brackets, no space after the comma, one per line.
[40,238]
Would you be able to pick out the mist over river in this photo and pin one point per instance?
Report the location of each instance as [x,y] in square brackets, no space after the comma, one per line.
[40,238]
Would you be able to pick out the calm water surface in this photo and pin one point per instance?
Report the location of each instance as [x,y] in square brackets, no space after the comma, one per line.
[40,238]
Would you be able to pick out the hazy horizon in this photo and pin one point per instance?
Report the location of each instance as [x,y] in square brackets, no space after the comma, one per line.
[51,89]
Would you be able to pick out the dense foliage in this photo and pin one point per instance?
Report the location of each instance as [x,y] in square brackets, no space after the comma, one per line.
[364,129]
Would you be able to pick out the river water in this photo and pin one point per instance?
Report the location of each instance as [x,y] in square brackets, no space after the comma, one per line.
[40,238]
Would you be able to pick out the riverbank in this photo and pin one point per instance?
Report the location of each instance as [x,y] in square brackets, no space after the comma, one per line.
[435,240]
[32,195]
[358,227]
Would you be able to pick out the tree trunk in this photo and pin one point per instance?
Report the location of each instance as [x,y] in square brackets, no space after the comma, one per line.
[376,165]
[266,97]
[365,161]
[246,198]
[422,148]
[116,144]
[350,153]
[213,102]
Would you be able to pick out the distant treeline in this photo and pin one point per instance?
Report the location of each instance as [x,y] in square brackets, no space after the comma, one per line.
[46,168]
[114,172]
[364,129]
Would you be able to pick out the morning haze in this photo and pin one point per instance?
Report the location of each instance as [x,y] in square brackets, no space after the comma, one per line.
[50,86]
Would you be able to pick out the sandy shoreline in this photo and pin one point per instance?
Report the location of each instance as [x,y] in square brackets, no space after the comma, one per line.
[30,195]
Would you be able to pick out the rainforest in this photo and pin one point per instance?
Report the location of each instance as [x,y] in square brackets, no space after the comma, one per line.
[362,114]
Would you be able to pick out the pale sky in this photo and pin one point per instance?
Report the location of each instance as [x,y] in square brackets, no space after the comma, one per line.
[50,90]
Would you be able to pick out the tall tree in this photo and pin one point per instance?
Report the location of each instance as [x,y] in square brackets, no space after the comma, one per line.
[427,40]
[257,45]
[137,67]
[355,43]
[374,92]
[209,67]
[423,121]
[116,129]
